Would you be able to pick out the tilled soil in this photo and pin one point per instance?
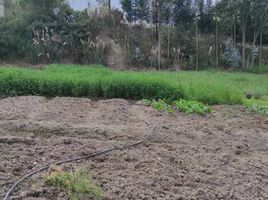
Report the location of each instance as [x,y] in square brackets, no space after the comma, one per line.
[223,155]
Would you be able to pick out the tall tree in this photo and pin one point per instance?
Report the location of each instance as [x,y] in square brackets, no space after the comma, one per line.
[127,6]
[168,18]
[241,11]
[142,9]
[259,15]
[183,12]
[158,4]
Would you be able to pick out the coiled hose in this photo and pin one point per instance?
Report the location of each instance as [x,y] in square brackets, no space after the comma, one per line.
[77,159]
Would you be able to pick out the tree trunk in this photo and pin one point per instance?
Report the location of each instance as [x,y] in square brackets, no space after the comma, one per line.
[109,5]
[243,45]
[253,45]
[217,45]
[261,49]
[235,33]
[197,45]
[158,32]
[169,30]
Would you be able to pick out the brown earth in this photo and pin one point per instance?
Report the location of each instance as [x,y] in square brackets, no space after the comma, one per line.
[223,155]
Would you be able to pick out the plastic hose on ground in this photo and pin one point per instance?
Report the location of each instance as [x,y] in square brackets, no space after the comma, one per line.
[77,159]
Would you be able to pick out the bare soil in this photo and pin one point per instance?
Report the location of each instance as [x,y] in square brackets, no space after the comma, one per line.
[223,155]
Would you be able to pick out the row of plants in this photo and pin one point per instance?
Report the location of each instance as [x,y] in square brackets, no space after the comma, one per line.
[100,82]
[14,82]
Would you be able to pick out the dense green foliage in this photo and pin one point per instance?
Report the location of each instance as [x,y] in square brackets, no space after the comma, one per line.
[193,32]
[86,82]
[97,81]
[77,184]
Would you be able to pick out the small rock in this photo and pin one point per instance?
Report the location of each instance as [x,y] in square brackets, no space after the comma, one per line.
[67,141]
[238,152]
[31,135]
[198,179]
[2,169]
[139,103]
[165,127]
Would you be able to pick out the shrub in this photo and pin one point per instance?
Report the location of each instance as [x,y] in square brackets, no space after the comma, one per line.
[231,56]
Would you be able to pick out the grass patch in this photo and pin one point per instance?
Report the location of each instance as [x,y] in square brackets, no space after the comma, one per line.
[258,70]
[77,184]
[259,101]
[100,82]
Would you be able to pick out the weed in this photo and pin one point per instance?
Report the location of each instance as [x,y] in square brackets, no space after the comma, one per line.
[77,184]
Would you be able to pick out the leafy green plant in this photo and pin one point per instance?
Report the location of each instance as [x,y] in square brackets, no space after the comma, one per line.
[77,184]
[181,105]
[192,107]
[258,109]
[162,105]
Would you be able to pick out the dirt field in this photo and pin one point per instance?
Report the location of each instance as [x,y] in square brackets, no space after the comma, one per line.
[223,155]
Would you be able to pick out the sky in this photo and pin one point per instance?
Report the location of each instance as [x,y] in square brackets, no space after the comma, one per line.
[82,4]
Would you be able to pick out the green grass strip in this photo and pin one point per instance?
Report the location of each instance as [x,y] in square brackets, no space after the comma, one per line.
[100,82]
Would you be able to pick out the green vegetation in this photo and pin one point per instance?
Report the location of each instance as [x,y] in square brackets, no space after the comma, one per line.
[160,105]
[77,184]
[100,82]
[204,34]
[258,70]
[181,105]
[192,107]
[258,109]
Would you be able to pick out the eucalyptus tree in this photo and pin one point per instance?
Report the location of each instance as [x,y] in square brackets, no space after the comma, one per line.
[258,20]
[241,11]
[158,4]
[168,11]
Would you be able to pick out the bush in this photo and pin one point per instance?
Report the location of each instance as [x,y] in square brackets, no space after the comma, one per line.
[231,56]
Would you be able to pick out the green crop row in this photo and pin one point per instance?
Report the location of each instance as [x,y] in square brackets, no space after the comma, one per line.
[100,82]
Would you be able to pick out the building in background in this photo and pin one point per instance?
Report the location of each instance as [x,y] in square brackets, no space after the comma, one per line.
[2,8]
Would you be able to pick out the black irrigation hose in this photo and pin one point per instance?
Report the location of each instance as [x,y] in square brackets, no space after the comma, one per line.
[77,159]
